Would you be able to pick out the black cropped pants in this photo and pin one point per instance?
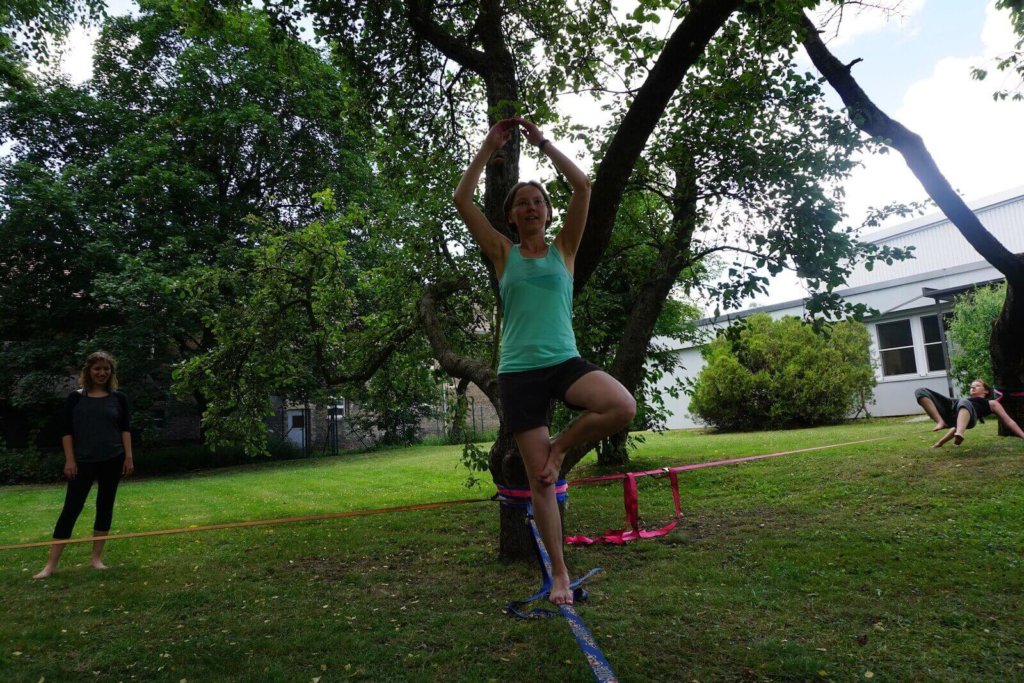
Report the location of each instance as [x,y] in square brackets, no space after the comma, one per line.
[107,474]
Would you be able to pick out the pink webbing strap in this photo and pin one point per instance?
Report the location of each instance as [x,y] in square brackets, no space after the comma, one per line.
[615,477]
[717,463]
[1012,394]
[515,494]
[629,493]
[630,499]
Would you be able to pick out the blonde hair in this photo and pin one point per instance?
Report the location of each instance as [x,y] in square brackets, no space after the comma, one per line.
[84,377]
[988,389]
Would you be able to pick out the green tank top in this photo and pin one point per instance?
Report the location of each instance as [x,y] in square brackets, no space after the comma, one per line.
[536,295]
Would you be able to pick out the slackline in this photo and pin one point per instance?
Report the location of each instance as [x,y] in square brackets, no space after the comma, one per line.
[404,508]
[257,522]
[591,651]
[631,497]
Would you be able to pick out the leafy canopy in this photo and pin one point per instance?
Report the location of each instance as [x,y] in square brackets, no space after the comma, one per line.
[118,196]
[970,331]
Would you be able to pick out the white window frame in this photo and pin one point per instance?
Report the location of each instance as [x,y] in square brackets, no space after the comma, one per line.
[925,344]
[920,354]
[914,346]
[338,409]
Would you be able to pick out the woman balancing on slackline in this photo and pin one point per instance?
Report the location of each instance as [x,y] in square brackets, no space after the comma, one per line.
[539,360]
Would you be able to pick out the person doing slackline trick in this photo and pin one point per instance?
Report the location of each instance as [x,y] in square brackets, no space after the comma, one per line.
[959,415]
[539,360]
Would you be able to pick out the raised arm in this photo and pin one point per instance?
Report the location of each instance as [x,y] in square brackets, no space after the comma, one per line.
[1004,417]
[568,240]
[494,245]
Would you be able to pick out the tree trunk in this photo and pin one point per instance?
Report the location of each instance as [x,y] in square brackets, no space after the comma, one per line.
[1008,356]
[612,452]
[1014,406]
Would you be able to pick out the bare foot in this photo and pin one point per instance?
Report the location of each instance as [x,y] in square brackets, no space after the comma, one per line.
[939,426]
[552,468]
[560,594]
[98,564]
[958,439]
[45,574]
[946,437]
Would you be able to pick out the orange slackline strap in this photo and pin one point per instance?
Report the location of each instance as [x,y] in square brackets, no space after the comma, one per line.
[403,508]
[257,522]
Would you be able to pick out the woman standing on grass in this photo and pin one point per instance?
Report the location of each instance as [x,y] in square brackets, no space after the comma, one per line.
[97,447]
[539,361]
[959,415]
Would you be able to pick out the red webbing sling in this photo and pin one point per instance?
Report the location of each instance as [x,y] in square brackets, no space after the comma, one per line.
[630,497]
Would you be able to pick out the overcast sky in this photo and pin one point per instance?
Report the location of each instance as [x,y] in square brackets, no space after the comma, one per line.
[918,71]
[916,67]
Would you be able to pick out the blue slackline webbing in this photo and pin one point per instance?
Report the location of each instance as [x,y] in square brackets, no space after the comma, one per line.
[599,665]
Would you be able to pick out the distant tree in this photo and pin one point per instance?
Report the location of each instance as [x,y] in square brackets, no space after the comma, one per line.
[308,319]
[970,331]
[777,374]
[394,403]
[185,143]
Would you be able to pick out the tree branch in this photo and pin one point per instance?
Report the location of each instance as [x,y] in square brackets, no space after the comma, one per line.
[873,121]
[382,353]
[628,366]
[462,367]
[422,21]
[682,50]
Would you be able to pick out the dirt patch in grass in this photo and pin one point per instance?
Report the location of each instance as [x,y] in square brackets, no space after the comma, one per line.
[726,527]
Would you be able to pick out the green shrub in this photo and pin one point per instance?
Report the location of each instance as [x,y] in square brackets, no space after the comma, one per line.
[30,466]
[970,329]
[776,374]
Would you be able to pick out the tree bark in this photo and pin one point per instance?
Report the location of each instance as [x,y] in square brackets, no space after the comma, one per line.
[1006,346]
[613,453]
[495,65]
[1005,342]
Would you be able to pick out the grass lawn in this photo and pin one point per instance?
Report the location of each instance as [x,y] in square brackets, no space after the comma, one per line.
[886,561]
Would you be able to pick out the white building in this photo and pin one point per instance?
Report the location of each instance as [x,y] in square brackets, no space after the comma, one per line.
[907,343]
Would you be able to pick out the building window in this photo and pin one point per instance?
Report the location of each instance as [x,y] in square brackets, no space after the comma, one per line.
[933,342]
[896,347]
[336,410]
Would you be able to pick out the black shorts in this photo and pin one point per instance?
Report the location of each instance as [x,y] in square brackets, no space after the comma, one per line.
[949,407]
[525,395]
